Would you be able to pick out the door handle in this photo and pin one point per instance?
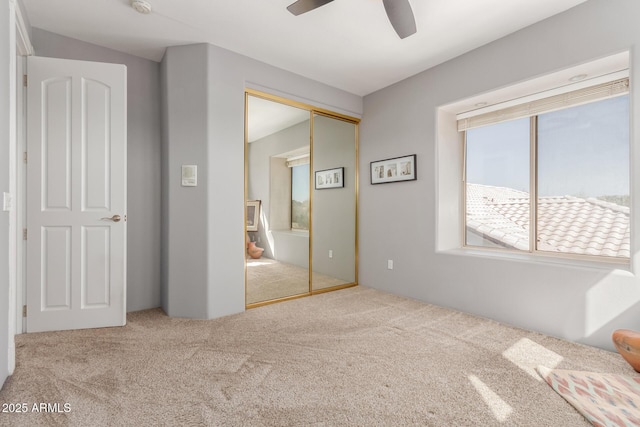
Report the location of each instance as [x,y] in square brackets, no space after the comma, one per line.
[115,218]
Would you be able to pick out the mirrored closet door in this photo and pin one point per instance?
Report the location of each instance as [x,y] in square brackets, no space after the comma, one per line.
[278,157]
[334,203]
[301,197]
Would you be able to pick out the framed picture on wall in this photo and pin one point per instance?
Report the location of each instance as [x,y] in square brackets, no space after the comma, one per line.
[394,170]
[253,215]
[329,178]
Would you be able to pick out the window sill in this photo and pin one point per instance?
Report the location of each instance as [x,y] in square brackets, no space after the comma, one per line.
[298,233]
[541,259]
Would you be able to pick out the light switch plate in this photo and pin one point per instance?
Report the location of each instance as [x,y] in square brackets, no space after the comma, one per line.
[7,202]
[189,175]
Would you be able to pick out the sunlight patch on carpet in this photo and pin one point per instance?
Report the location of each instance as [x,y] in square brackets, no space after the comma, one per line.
[500,409]
[603,399]
[254,263]
[527,355]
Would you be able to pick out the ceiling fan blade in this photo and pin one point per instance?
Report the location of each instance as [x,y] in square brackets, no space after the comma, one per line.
[401,17]
[303,6]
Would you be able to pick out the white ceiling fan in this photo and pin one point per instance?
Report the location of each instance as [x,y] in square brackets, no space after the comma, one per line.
[399,13]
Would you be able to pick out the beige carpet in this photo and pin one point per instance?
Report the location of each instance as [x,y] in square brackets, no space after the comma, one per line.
[355,357]
[269,279]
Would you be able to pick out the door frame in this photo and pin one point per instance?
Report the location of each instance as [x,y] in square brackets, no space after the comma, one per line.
[20,46]
[17,284]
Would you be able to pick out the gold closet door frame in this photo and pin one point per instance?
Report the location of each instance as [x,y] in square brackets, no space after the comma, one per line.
[313,110]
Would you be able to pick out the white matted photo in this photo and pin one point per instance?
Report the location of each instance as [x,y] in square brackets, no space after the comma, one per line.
[394,170]
[330,178]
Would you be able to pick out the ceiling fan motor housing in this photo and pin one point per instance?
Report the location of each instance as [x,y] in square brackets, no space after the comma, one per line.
[141,6]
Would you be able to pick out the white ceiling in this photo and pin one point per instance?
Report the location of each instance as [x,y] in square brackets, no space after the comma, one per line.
[267,117]
[348,44]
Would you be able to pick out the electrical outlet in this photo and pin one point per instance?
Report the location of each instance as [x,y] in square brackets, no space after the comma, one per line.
[389,264]
[330,253]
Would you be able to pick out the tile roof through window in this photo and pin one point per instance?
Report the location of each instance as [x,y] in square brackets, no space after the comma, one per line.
[566,224]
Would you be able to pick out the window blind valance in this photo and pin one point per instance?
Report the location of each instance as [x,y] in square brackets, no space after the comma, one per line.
[544,105]
[298,160]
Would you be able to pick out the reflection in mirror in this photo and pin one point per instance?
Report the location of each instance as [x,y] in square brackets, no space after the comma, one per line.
[334,203]
[278,174]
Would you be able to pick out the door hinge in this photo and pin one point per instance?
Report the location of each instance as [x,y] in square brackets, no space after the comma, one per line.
[24,234]
[24,157]
[25,80]
[24,311]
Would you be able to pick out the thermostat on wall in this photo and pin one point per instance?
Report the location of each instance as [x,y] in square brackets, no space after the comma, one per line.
[189,175]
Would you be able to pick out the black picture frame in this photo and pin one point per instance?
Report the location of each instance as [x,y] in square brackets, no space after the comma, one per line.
[329,178]
[396,169]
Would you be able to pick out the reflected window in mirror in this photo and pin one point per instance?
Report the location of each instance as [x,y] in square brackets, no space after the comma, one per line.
[300,197]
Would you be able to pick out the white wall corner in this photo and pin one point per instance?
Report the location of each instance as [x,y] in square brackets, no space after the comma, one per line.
[448,170]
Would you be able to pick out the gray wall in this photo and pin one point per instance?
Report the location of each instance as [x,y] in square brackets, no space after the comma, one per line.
[143,152]
[278,211]
[220,142]
[284,246]
[5,57]
[185,140]
[578,302]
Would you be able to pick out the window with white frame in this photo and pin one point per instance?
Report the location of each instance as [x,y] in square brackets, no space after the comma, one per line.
[552,175]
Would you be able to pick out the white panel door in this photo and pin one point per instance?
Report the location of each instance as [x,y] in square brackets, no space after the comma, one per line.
[76,194]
